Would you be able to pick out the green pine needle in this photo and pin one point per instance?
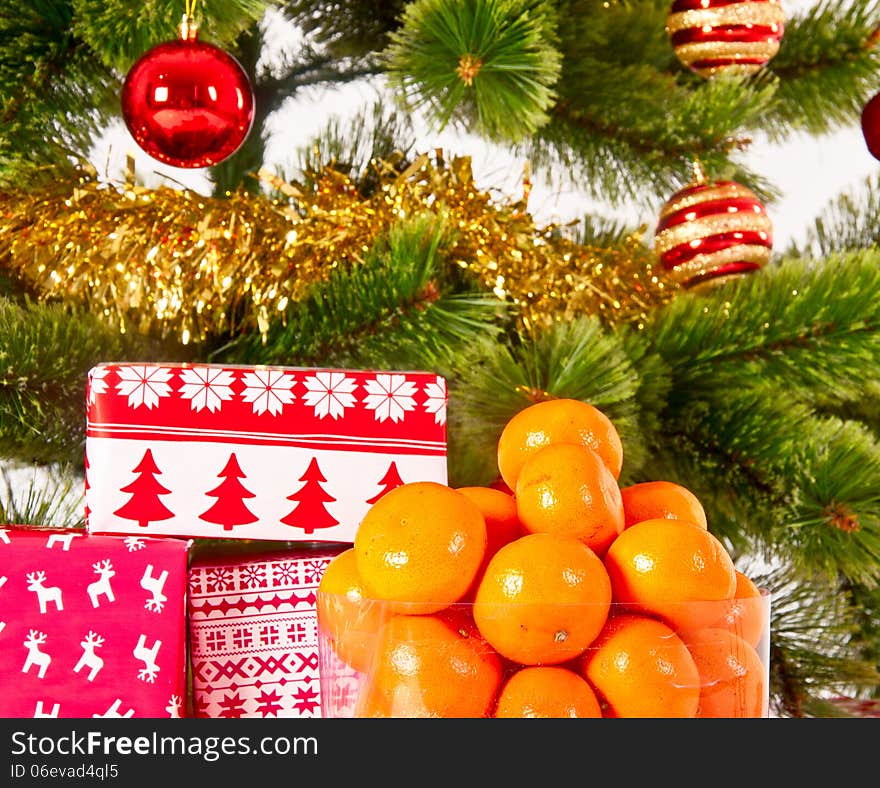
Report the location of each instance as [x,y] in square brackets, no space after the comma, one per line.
[488,64]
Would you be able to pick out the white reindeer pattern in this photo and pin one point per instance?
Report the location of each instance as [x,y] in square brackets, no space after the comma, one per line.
[154,585]
[63,539]
[45,594]
[148,657]
[113,711]
[89,658]
[36,657]
[102,584]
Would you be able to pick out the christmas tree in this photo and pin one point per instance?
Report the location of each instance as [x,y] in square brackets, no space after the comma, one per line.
[748,372]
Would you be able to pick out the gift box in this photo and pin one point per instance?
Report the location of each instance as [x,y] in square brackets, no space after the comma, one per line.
[92,626]
[253,633]
[260,453]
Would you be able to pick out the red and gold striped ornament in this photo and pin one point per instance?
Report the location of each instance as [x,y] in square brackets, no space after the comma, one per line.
[709,232]
[712,36]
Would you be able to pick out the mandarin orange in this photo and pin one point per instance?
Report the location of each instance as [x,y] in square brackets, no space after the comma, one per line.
[542,599]
[733,680]
[640,667]
[672,569]
[547,692]
[499,512]
[566,489]
[347,619]
[430,666]
[747,614]
[653,499]
[420,546]
[557,421]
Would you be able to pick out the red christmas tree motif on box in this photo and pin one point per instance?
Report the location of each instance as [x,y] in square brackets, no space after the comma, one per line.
[389,481]
[144,505]
[339,429]
[230,510]
[310,513]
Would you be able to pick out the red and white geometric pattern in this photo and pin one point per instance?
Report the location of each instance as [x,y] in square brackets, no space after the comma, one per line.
[254,635]
[272,453]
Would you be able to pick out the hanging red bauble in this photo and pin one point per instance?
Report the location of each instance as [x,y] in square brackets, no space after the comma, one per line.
[871,126]
[709,232]
[188,103]
[711,36]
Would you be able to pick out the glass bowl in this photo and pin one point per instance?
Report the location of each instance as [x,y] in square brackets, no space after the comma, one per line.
[697,659]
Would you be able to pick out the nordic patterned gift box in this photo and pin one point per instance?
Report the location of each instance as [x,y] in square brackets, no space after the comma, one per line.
[92,626]
[269,453]
[253,633]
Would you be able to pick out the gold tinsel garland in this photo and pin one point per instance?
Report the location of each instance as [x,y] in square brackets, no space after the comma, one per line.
[170,261]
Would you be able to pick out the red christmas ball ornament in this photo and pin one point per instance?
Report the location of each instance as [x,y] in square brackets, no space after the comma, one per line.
[709,232]
[871,126]
[711,36]
[188,103]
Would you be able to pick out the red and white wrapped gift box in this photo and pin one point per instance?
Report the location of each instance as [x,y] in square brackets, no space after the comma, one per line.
[269,453]
[91,626]
[253,633]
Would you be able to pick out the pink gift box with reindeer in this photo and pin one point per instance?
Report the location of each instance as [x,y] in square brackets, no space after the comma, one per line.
[91,626]
[284,454]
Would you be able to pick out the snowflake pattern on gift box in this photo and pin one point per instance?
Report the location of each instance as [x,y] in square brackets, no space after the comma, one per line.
[206,387]
[143,385]
[436,400]
[253,576]
[232,706]
[268,703]
[285,573]
[329,393]
[390,397]
[313,570]
[97,384]
[219,578]
[268,390]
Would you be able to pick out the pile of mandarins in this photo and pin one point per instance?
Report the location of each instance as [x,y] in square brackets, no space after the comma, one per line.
[556,593]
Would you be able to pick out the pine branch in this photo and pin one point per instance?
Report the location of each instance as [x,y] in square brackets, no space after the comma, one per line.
[485,64]
[345,29]
[392,309]
[636,142]
[815,646]
[359,147]
[55,95]
[849,221]
[120,32]
[51,497]
[576,359]
[827,68]
[753,366]
[804,325]
[42,390]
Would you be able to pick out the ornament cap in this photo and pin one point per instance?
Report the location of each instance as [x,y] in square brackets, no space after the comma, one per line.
[188,28]
[699,176]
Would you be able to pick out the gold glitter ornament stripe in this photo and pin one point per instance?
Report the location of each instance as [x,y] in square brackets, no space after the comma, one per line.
[707,226]
[715,50]
[175,263]
[763,14]
[707,263]
[720,191]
